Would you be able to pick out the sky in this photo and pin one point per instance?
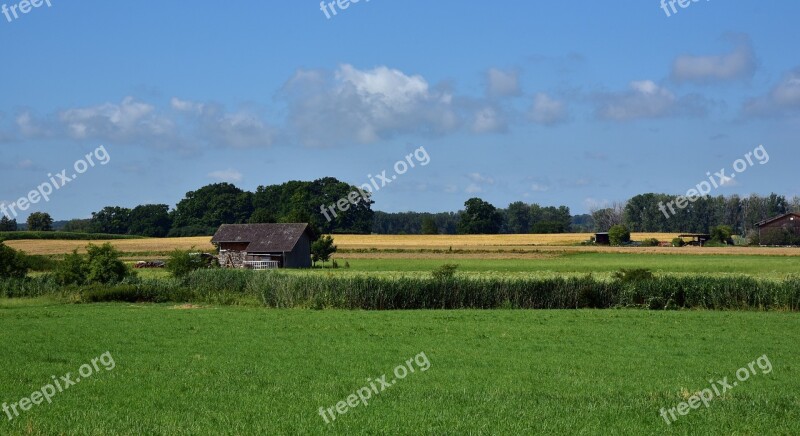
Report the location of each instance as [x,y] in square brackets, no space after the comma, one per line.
[579,103]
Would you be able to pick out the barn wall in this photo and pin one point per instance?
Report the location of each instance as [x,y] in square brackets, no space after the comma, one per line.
[300,256]
[234,257]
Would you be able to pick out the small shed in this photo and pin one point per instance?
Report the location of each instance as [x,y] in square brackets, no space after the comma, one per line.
[698,239]
[264,246]
[602,238]
[780,230]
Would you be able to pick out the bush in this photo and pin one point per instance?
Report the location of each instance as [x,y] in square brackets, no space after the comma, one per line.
[444,272]
[72,270]
[181,262]
[678,242]
[103,264]
[651,242]
[722,234]
[619,235]
[13,264]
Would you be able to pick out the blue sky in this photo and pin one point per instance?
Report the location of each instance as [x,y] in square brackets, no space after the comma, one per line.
[575,103]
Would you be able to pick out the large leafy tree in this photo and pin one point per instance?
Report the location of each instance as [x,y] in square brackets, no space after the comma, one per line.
[150,220]
[322,249]
[111,219]
[40,222]
[213,205]
[480,217]
[518,216]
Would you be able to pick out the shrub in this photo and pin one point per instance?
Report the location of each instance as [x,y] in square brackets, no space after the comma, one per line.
[13,264]
[181,262]
[444,272]
[722,234]
[678,242]
[651,242]
[619,235]
[103,264]
[72,270]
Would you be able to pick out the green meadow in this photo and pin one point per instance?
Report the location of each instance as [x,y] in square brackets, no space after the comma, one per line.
[234,370]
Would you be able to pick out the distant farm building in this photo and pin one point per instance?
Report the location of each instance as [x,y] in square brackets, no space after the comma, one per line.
[698,239]
[602,238]
[264,246]
[780,230]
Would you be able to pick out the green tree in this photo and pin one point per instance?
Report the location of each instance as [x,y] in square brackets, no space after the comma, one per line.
[722,234]
[479,217]
[78,226]
[150,220]
[73,270]
[261,216]
[322,249]
[429,226]
[8,225]
[619,235]
[40,222]
[13,264]
[519,217]
[213,205]
[114,220]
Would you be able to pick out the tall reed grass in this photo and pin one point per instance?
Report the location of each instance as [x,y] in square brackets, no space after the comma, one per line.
[280,290]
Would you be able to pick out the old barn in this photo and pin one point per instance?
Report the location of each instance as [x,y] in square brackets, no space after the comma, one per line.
[264,246]
[780,230]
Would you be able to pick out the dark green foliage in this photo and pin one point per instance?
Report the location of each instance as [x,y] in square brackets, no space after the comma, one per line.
[548,227]
[78,226]
[444,272]
[103,264]
[112,219]
[213,205]
[40,222]
[678,242]
[619,235]
[480,217]
[13,264]
[518,218]
[188,231]
[40,263]
[429,226]
[150,220]
[8,225]
[722,234]
[262,216]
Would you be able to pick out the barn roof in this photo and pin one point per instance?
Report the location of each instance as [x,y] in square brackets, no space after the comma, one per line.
[262,238]
[779,217]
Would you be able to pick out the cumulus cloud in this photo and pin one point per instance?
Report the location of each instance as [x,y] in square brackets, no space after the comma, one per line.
[781,99]
[229,175]
[365,106]
[479,183]
[646,99]
[547,111]
[241,129]
[501,83]
[489,120]
[736,65]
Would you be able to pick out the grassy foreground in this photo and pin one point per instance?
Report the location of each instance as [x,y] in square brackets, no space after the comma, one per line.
[228,370]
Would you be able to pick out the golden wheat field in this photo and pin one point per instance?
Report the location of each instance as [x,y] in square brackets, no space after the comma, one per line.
[506,244]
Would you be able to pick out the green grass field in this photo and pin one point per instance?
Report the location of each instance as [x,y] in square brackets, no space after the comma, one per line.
[228,370]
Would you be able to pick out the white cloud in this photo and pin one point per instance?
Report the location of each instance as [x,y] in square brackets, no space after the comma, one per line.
[783,97]
[736,65]
[488,120]
[128,121]
[241,129]
[502,83]
[473,188]
[645,99]
[365,106]
[537,187]
[229,175]
[547,111]
[479,178]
